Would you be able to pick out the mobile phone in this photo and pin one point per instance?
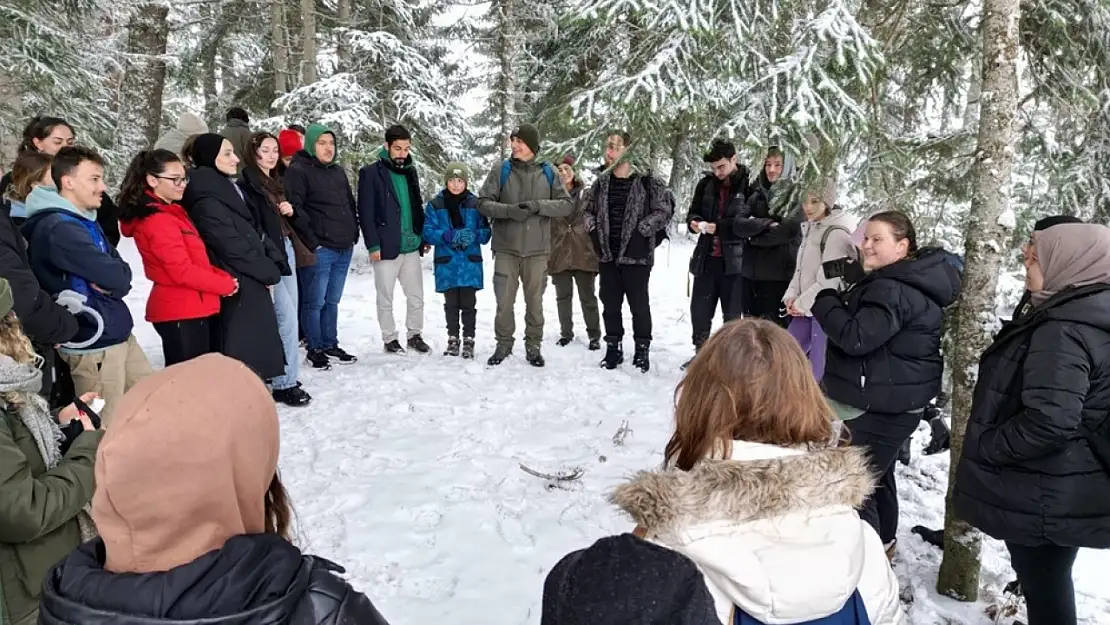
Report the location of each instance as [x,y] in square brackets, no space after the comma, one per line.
[85,408]
[835,268]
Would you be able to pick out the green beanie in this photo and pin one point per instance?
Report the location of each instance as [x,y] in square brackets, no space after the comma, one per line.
[456,170]
[529,135]
[6,301]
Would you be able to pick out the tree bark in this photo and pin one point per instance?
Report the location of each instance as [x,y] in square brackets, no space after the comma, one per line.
[11,108]
[984,239]
[308,41]
[506,53]
[140,113]
[280,47]
[342,47]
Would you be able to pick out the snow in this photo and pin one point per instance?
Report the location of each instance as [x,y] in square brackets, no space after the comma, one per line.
[1007,219]
[405,470]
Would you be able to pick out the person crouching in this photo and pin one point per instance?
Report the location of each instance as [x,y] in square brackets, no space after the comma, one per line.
[453,225]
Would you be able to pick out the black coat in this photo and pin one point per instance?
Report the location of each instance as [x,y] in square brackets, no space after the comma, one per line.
[1027,474]
[248,323]
[705,207]
[46,323]
[772,243]
[267,218]
[323,194]
[255,579]
[884,334]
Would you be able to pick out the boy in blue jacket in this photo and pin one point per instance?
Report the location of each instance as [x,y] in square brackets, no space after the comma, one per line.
[453,225]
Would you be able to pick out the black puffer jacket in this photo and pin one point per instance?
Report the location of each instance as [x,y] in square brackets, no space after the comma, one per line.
[884,334]
[1028,475]
[255,579]
[323,193]
[705,206]
[772,242]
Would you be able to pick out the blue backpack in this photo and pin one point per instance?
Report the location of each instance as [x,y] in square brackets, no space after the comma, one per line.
[853,613]
[507,168]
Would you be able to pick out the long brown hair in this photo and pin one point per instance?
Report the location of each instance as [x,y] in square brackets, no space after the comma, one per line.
[28,171]
[750,382]
[279,512]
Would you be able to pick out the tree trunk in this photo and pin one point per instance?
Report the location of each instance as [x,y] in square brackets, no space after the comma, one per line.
[280,47]
[308,60]
[678,181]
[342,47]
[506,56]
[11,109]
[984,239]
[971,108]
[140,113]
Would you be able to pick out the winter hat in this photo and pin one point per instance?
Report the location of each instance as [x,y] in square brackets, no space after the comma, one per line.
[185,465]
[289,142]
[191,124]
[568,160]
[1055,220]
[529,135]
[456,170]
[6,299]
[828,192]
[206,148]
[623,579]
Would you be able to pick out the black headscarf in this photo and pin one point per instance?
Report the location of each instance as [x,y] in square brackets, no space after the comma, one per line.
[206,148]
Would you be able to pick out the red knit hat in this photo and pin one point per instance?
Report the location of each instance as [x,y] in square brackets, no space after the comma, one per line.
[290,142]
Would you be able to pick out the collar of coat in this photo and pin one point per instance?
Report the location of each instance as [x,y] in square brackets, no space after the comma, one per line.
[746,488]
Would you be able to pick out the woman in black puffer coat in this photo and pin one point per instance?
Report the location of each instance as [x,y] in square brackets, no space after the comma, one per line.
[883,360]
[1035,471]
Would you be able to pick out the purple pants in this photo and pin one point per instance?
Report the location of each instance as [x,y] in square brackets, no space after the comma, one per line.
[812,338]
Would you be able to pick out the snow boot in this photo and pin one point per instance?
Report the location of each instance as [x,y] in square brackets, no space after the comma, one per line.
[595,345]
[499,355]
[614,355]
[452,346]
[534,357]
[468,348]
[640,359]
[417,344]
[564,341]
[295,397]
[942,436]
[394,347]
[904,453]
[933,537]
[318,359]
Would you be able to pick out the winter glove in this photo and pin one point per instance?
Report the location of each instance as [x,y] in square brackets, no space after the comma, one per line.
[463,238]
[519,214]
[531,207]
[848,269]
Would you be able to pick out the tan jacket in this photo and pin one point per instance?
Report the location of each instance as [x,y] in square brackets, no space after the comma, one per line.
[571,247]
[809,277]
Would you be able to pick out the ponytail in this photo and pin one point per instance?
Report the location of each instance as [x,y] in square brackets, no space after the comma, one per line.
[132,193]
[40,128]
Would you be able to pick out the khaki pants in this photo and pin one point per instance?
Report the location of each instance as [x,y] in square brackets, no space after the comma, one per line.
[509,272]
[109,373]
[406,269]
[565,282]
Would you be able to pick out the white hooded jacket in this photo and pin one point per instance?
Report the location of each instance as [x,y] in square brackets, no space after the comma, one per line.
[774,530]
[809,276]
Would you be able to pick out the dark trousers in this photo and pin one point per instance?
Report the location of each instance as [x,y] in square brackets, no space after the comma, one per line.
[460,302]
[185,340]
[883,435]
[763,298]
[1046,582]
[712,286]
[63,391]
[565,282]
[618,283]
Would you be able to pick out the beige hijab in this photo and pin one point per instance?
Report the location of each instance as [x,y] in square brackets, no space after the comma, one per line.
[1072,255]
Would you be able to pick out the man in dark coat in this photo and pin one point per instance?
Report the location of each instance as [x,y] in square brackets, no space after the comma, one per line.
[238,132]
[718,257]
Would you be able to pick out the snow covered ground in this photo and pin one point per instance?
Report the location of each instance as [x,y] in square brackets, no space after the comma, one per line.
[406,469]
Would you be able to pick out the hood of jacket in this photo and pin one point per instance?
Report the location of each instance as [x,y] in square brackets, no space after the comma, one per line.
[929,272]
[255,579]
[43,198]
[757,522]
[1085,304]
[191,124]
[311,136]
[784,178]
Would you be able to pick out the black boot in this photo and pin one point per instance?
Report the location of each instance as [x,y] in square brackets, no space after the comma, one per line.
[564,341]
[904,454]
[931,536]
[698,342]
[452,346]
[614,354]
[499,355]
[468,348]
[640,359]
[595,345]
[942,436]
[534,356]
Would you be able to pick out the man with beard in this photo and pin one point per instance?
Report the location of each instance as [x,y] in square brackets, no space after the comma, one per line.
[716,262]
[391,212]
[626,214]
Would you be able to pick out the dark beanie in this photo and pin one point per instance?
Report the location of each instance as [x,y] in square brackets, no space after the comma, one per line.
[206,148]
[1055,220]
[623,579]
[529,135]
[568,160]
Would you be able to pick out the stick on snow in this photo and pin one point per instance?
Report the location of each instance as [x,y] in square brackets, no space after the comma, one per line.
[564,476]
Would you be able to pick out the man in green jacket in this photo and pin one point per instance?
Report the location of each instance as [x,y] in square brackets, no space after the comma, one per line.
[520,211]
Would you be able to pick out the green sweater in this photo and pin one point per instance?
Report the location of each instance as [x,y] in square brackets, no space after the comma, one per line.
[410,241]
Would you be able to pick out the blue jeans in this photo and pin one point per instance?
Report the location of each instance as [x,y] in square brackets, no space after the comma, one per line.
[322,313]
[285,305]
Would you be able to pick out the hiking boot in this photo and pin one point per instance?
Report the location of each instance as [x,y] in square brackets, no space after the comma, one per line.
[452,346]
[942,436]
[468,348]
[564,341]
[417,344]
[394,347]
[499,355]
[931,536]
[640,359]
[337,354]
[614,355]
[595,345]
[904,452]
[295,397]
[318,359]
[534,357]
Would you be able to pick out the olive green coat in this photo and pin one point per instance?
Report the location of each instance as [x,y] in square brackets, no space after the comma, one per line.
[571,247]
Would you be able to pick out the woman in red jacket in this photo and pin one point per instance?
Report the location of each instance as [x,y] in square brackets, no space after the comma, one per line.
[187,288]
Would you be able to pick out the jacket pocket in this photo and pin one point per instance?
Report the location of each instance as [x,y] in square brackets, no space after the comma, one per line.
[442,260]
[474,258]
[639,246]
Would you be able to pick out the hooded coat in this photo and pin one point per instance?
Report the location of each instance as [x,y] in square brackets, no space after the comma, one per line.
[884,334]
[771,240]
[188,124]
[197,550]
[774,531]
[571,248]
[809,274]
[322,192]
[238,132]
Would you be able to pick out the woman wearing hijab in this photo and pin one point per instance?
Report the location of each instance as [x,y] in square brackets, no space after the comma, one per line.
[248,327]
[1035,471]
[194,521]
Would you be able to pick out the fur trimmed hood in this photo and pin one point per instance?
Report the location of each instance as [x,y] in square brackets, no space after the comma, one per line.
[774,530]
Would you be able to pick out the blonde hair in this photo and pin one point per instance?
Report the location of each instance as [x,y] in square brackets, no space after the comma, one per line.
[15,345]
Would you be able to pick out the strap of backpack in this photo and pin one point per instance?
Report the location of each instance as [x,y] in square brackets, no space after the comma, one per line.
[828,231]
[507,170]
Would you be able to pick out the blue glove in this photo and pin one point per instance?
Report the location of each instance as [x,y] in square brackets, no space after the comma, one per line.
[464,238]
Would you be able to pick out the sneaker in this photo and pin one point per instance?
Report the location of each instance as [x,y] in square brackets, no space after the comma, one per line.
[468,348]
[499,355]
[295,397]
[595,345]
[337,353]
[614,355]
[452,346]
[417,344]
[640,359]
[563,342]
[318,359]
[534,357]
[394,347]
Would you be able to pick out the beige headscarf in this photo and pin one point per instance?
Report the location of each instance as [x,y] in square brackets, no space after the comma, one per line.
[1071,255]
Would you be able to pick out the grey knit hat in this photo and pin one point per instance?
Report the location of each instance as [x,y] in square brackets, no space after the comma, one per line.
[456,170]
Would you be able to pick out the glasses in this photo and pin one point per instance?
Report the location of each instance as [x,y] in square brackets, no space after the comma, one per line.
[177,181]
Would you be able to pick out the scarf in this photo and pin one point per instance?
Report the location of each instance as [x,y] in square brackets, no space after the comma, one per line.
[22,383]
[1071,255]
[453,203]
